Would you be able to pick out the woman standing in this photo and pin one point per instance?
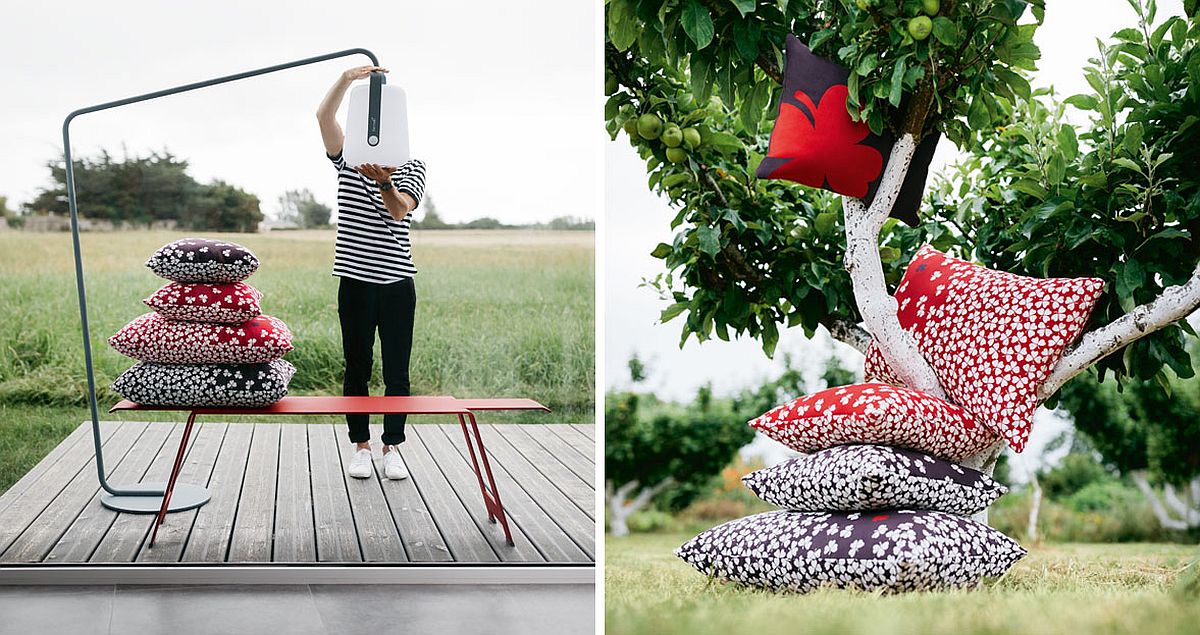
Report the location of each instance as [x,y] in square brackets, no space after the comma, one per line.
[373,259]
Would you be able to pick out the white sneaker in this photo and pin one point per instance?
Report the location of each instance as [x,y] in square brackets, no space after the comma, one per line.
[393,465]
[361,465]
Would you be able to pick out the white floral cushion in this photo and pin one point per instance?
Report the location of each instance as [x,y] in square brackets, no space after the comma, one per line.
[206,385]
[154,338]
[203,260]
[870,477]
[225,303]
[873,551]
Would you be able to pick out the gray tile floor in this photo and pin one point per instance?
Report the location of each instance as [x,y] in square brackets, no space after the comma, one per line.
[298,609]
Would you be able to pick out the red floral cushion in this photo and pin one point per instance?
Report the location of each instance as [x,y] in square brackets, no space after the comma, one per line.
[992,337]
[878,414]
[223,303]
[816,143]
[154,338]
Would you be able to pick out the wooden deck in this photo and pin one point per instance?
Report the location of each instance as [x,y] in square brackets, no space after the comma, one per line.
[280,495]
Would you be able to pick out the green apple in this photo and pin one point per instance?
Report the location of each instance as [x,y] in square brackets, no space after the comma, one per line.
[691,138]
[863,5]
[920,27]
[931,7]
[676,155]
[672,136]
[649,126]
[630,127]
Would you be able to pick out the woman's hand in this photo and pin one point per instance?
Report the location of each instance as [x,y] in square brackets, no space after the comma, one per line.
[361,72]
[380,173]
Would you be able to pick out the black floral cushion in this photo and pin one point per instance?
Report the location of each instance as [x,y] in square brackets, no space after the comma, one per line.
[873,551]
[868,477]
[203,260]
[206,385]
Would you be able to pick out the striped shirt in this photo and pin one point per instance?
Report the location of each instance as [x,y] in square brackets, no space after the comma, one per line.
[371,246]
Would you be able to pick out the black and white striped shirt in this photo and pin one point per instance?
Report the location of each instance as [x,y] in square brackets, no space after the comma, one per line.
[372,246]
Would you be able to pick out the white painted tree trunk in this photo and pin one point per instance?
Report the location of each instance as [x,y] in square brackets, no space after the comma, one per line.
[1186,514]
[620,505]
[1035,506]
[875,302]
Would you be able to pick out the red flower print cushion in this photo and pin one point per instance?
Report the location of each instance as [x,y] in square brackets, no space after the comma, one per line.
[154,338]
[992,337]
[878,414]
[816,143]
[222,303]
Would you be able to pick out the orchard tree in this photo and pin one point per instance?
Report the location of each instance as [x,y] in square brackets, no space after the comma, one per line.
[1119,199]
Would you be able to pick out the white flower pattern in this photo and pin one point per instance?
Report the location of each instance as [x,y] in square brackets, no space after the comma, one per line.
[221,303]
[203,260]
[154,338]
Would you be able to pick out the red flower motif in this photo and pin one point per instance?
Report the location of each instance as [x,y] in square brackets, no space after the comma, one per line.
[826,147]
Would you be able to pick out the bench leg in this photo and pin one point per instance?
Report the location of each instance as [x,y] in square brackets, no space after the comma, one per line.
[491,494]
[166,501]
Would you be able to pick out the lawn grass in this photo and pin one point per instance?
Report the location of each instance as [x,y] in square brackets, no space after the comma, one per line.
[1057,588]
[499,313]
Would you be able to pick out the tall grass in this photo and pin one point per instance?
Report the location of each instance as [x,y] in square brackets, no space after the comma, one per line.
[503,313]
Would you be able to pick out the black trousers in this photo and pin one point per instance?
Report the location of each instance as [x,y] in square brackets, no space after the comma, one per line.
[364,307]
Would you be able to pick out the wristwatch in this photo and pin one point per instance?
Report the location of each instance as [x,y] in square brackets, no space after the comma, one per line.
[386,186]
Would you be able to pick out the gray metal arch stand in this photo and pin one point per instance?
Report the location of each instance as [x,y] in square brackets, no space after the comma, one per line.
[146,497]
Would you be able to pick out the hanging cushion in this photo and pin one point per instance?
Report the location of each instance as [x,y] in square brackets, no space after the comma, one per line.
[869,477]
[873,551]
[203,260]
[206,302]
[206,385]
[154,338]
[816,143]
[877,414]
[991,337]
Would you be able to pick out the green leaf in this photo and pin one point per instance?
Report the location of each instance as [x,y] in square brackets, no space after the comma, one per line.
[945,31]
[1129,279]
[697,23]
[897,85]
[745,38]
[1031,188]
[672,311]
[825,223]
[819,38]
[1068,142]
[977,114]
[622,24]
[709,239]
[1083,102]
[725,143]
[701,77]
[744,6]
[1019,84]
[662,251]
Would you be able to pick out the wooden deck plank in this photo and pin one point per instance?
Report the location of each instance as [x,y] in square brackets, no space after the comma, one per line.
[577,490]
[561,450]
[37,471]
[575,439]
[377,532]
[209,538]
[251,539]
[458,526]
[41,534]
[551,541]
[587,429]
[422,540]
[295,534]
[552,504]
[332,516]
[95,520]
[131,532]
[23,505]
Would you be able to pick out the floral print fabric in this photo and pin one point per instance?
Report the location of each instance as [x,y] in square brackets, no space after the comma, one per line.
[206,302]
[203,260]
[154,338]
[991,337]
[871,477]
[876,414]
[889,551]
[206,385]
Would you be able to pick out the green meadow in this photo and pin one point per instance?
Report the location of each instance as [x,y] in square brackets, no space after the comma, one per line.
[499,313]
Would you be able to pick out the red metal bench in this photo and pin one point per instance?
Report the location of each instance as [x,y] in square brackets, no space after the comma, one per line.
[463,408]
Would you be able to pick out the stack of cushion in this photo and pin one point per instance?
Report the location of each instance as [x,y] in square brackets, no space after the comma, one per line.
[206,344]
[879,501]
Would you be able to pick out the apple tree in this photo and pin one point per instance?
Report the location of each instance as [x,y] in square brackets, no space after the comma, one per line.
[1118,199]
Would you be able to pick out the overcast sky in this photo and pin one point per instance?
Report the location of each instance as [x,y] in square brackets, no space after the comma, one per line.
[502,96]
[637,220]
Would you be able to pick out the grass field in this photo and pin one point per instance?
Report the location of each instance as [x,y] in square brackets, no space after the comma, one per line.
[1065,588]
[499,313]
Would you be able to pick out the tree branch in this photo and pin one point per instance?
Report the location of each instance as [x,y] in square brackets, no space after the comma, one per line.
[1175,303]
[848,332]
[1160,512]
[875,304]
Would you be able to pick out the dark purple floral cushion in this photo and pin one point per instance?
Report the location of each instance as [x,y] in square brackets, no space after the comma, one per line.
[868,477]
[206,385]
[873,551]
[203,260]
